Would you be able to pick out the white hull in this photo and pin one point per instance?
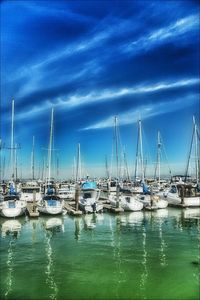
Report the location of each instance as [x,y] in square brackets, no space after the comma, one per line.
[50,210]
[88,201]
[127,203]
[90,205]
[12,212]
[158,202]
[174,199]
[51,206]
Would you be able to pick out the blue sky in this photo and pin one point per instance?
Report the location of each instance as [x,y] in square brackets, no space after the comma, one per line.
[92,60]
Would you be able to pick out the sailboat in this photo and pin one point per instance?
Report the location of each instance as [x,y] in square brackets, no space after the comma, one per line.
[187,194]
[12,206]
[127,203]
[146,196]
[51,202]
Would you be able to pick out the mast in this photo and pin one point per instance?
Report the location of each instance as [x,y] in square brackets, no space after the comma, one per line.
[196,150]
[141,150]
[126,167]
[16,174]
[158,158]
[107,169]
[190,151]
[33,159]
[117,162]
[116,148]
[12,140]
[78,166]
[50,146]
[136,159]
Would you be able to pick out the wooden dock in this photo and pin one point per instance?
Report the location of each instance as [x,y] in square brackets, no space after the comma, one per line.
[71,210]
[32,210]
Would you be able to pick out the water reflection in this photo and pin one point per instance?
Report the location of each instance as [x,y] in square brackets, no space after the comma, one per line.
[52,225]
[10,229]
[116,245]
[144,275]
[77,228]
[139,246]
[89,221]
[132,219]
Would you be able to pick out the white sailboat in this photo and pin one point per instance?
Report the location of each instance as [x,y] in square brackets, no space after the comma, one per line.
[147,197]
[12,206]
[127,203]
[187,194]
[50,203]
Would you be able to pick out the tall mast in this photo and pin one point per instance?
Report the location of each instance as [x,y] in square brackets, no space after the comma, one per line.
[16,173]
[12,140]
[107,169]
[50,146]
[196,150]
[159,148]
[57,167]
[116,148]
[141,150]
[78,166]
[33,159]
[136,159]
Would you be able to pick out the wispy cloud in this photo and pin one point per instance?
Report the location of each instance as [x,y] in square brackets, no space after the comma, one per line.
[174,30]
[77,100]
[145,111]
[38,74]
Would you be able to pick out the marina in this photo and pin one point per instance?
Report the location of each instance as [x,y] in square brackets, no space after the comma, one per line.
[100,150]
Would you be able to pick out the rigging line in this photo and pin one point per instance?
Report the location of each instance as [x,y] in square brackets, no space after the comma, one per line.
[136,157]
[165,153]
[190,151]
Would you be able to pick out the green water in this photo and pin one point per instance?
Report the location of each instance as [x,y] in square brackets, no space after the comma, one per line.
[142,255]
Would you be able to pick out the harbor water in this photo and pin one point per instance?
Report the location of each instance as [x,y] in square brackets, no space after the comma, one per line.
[138,255]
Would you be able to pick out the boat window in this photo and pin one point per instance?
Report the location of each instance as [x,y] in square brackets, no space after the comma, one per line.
[52,202]
[30,191]
[87,195]
[11,204]
[173,189]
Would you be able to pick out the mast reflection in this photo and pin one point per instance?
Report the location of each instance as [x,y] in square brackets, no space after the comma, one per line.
[10,229]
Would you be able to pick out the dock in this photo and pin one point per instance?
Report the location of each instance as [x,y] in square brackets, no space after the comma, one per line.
[71,209]
[32,210]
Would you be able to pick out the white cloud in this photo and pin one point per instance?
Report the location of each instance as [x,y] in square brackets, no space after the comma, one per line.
[144,112]
[174,30]
[77,100]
